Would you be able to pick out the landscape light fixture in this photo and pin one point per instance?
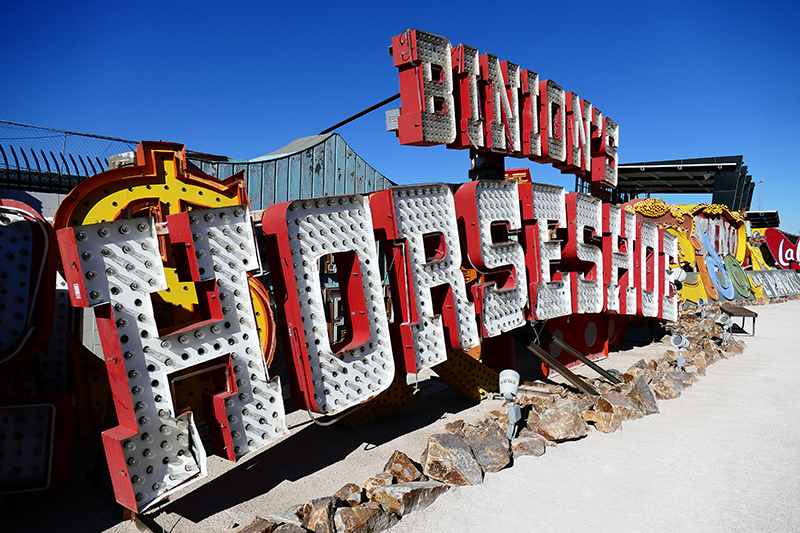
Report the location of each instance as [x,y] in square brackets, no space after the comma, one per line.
[681,343]
[701,303]
[509,385]
[726,323]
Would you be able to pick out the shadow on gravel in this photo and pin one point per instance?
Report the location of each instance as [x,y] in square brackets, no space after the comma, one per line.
[88,504]
[306,452]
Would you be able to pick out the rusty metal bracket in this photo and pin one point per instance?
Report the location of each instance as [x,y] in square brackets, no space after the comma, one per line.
[588,362]
[539,352]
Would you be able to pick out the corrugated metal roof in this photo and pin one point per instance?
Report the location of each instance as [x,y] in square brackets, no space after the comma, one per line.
[297,145]
[308,167]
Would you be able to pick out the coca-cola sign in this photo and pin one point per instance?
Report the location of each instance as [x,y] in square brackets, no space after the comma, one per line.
[784,248]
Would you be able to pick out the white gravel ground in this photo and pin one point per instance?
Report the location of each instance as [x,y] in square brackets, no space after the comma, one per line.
[723,457]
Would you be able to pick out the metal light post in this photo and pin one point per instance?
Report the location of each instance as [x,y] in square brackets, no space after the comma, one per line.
[759,194]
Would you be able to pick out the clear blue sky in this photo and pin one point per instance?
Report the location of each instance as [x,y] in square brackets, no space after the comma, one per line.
[683,79]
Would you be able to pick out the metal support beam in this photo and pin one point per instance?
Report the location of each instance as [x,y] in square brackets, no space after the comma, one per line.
[537,350]
[588,362]
[361,114]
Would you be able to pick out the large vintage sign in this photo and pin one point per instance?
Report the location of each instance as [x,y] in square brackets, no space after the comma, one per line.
[36,411]
[541,253]
[455,96]
[714,251]
[367,288]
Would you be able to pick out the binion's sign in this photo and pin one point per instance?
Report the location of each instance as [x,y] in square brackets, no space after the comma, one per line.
[458,97]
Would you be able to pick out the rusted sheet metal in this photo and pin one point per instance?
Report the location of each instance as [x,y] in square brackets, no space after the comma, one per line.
[309,167]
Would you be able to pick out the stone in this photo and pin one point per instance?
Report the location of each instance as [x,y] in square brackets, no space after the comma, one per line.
[600,386]
[712,352]
[455,427]
[618,404]
[531,392]
[696,362]
[562,422]
[638,368]
[403,468]
[448,458]
[529,445]
[497,415]
[584,401]
[528,433]
[735,348]
[489,443]
[698,371]
[687,378]
[290,528]
[667,386]
[663,365]
[378,480]
[604,421]
[532,422]
[528,397]
[547,388]
[318,515]
[292,515]
[620,388]
[260,525]
[709,327]
[349,495]
[642,395]
[367,518]
[404,498]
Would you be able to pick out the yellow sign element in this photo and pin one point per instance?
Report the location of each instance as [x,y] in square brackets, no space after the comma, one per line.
[158,185]
[686,253]
[757,258]
[758,290]
[467,376]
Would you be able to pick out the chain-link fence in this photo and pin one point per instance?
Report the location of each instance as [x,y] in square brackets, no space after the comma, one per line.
[34,158]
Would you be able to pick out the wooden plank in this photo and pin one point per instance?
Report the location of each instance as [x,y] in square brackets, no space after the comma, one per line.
[318,170]
[307,174]
[350,171]
[737,310]
[341,165]
[361,175]
[329,172]
[240,167]
[294,176]
[253,179]
[224,171]
[369,186]
[381,181]
[281,180]
[267,184]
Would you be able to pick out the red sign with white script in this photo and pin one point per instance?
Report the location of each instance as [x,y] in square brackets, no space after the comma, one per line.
[785,252]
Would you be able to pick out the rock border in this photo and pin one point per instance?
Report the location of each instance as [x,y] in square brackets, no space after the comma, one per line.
[465,453]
